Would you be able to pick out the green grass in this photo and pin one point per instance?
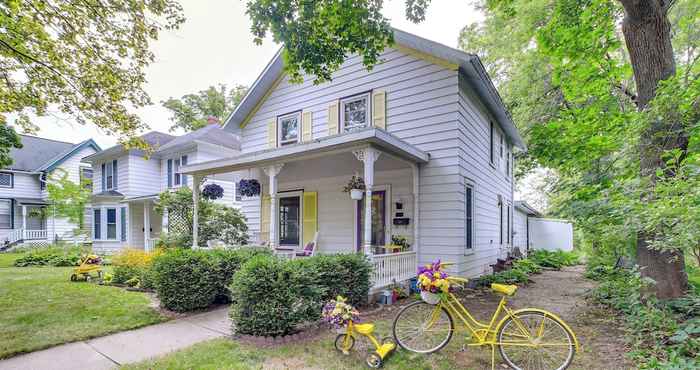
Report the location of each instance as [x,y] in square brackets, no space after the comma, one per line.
[40,307]
[694,277]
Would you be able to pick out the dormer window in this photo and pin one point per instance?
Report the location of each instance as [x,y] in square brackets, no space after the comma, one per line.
[354,112]
[288,128]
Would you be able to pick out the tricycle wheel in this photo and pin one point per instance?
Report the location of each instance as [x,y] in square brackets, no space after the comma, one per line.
[374,361]
[344,343]
[391,340]
[74,277]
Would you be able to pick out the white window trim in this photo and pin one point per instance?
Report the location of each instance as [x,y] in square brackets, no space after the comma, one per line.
[175,170]
[103,224]
[12,180]
[368,116]
[109,165]
[291,194]
[472,185]
[279,128]
[10,213]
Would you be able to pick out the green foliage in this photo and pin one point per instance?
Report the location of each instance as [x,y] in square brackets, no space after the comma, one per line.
[512,276]
[55,255]
[216,222]
[68,198]
[8,140]
[527,266]
[663,335]
[192,111]
[88,60]
[317,35]
[553,259]
[134,265]
[272,297]
[186,280]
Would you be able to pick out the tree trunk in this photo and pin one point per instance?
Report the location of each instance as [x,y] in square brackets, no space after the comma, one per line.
[647,34]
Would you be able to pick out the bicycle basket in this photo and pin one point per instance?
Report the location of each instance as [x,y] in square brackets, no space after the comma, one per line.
[429,298]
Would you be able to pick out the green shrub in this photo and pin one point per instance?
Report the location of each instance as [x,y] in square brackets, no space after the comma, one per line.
[51,256]
[187,280]
[527,266]
[512,276]
[555,259]
[272,297]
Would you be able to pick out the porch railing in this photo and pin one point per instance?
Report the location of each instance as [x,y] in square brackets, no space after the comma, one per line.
[151,244]
[34,234]
[393,267]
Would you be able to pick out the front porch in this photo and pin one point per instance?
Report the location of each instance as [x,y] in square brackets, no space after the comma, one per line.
[302,199]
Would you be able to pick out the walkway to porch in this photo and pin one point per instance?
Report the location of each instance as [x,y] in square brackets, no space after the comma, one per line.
[302,195]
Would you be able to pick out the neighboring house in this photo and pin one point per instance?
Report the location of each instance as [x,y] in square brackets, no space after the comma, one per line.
[425,128]
[128,182]
[532,231]
[26,214]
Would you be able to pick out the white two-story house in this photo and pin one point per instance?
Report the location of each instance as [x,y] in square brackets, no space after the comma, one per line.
[26,214]
[128,182]
[425,128]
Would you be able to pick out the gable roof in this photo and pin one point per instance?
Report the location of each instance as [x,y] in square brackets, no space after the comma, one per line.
[468,64]
[212,134]
[40,154]
[154,138]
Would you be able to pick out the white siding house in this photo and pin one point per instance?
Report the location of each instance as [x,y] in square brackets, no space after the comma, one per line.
[26,214]
[123,200]
[425,129]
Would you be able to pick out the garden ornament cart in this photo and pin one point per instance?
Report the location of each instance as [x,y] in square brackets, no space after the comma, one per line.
[89,264]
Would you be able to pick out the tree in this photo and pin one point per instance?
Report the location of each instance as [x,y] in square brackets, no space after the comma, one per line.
[68,198]
[8,140]
[84,58]
[193,111]
[582,93]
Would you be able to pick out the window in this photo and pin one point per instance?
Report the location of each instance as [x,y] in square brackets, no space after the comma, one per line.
[86,177]
[42,181]
[122,219]
[288,128]
[6,180]
[289,218]
[491,133]
[500,220]
[109,175]
[111,223]
[175,177]
[97,224]
[239,197]
[5,214]
[469,217]
[508,164]
[354,112]
[508,233]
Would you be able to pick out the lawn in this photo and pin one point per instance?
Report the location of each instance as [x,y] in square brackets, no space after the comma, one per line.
[40,307]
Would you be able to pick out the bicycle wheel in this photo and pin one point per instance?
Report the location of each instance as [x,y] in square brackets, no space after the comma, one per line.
[535,340]
[423,328]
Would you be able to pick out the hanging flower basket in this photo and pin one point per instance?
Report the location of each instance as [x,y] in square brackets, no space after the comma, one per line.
[249,188]
[356,187]
[213,191]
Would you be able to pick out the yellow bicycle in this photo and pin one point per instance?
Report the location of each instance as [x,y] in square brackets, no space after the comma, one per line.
[528,338]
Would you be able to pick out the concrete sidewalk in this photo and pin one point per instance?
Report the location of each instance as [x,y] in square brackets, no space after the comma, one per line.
[127,347]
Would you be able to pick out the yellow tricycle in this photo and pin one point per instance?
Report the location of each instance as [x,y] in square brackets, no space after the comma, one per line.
[89,264]
[345,341]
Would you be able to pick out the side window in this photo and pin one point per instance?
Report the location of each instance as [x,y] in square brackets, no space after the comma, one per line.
[6,179]
[109,176]
[500,220]
[491,143]
[469,217]
[354,112]
[122,219]
[97,224]
[508,163]
[111,223]
[86,177]
[5,214]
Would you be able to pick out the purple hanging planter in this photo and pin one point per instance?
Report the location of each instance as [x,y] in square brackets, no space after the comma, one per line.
[249,188]
[212,191]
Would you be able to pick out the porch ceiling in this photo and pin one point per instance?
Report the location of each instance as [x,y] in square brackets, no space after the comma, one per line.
[345,142]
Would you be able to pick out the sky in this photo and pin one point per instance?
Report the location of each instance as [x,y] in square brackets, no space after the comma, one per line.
[214,46]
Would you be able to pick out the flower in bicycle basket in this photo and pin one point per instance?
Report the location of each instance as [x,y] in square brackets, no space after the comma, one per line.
[338,313]
[432,279]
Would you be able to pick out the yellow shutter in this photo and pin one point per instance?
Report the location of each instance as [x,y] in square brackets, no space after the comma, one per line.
[265,218]
[272,134]
[333,118]
[310,216]
[306,126]
[379,109]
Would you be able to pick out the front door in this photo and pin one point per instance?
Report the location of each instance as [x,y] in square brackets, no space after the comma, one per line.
[289,221]
[378,220]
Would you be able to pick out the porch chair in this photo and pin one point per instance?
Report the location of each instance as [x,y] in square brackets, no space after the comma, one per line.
[309,249]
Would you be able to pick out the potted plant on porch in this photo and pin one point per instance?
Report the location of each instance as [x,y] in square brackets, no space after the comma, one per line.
[356,187]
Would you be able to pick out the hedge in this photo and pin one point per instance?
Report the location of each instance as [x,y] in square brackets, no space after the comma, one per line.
[272,297]
[187,280]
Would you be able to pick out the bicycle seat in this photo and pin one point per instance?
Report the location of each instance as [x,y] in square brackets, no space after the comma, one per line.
[504,289]
[364,329]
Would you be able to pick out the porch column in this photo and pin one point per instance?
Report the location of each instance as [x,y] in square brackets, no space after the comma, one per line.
[146,224]
[196,179]
[272,172]
[368,156]
[416,207]
[24,222]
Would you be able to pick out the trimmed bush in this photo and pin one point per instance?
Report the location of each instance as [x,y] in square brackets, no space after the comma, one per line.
[272,297]
[130,264]
[187,280]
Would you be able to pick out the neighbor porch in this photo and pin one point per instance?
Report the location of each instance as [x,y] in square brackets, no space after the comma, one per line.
[302,200]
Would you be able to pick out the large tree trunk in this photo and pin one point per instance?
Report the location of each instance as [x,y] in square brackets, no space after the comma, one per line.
[647,34]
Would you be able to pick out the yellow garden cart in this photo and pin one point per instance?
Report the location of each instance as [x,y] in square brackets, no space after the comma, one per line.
[89,264]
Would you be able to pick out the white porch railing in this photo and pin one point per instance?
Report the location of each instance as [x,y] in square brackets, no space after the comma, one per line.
[151,244]
[393,267]
[34,234]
